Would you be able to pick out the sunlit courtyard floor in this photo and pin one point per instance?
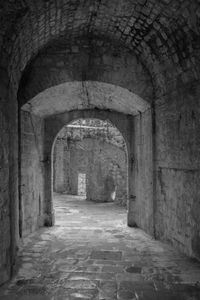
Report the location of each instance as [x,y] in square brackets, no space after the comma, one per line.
[90,253]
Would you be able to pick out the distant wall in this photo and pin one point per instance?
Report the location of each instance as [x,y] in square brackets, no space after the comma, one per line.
[98,153]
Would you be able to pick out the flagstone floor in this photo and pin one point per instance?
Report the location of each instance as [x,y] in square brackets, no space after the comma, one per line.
[91,254]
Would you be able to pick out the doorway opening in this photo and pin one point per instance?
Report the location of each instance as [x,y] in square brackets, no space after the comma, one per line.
[90,163]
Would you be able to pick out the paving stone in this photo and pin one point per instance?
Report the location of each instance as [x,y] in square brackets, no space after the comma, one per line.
[27,297]
[106,255]
[110,271]
[105,262]
[91,294]
[108,290]
[80,284]
[134,269]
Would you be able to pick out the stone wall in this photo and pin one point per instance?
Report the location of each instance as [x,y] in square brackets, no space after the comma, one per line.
[107,173]
[84,60]
[97,152]
[32,175]
[144,206]
[4,192]
[178,169]
[61,167]
[9,205]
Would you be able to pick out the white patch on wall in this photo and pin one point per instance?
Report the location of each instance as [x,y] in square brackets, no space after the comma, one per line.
[82,184]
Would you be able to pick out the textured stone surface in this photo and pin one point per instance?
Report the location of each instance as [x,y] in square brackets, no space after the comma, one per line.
[4,201]
[95,128]
[177,170]
[108,65]
[83,257]
[85,95]
[144,206]
[8,180]
[32,173]
[161,39]
[105,168]
[97,152]
[157,31]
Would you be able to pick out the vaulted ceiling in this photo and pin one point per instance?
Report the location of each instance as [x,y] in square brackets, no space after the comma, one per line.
[159,32]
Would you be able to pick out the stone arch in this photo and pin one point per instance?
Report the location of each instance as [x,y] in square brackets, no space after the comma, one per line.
[85,61]
[119,120]
[92,96]
[85,95]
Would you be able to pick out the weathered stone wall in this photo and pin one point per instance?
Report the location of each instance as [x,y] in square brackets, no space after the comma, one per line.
[104,165]
[61,167]
[110,63]
[178,168]
[107,172]
[32,175]
[97,152]
[4,190]
[92,128]
[9,206]
[143,160]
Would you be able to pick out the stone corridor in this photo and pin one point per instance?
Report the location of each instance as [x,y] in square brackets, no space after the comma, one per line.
[90,253]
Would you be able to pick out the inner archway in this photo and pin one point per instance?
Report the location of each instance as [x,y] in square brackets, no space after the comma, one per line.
[90,162]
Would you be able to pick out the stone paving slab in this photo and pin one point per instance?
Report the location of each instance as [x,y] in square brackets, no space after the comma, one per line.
[92,254]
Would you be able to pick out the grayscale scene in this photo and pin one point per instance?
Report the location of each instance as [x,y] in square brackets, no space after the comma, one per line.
[99,149]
